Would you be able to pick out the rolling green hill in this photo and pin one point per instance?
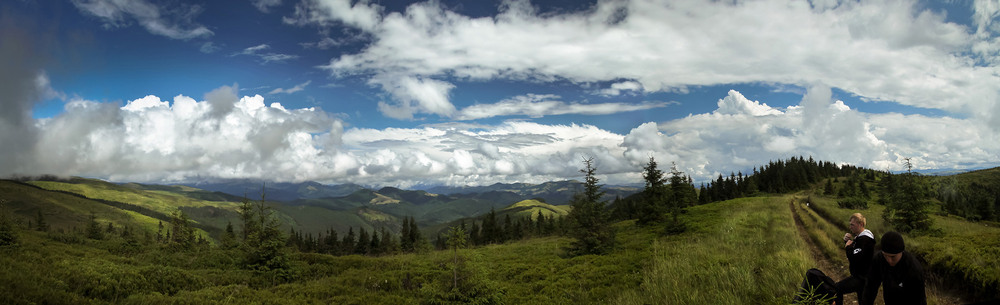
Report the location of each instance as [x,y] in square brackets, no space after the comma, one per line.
[973,195]
[68,212]
[212,211]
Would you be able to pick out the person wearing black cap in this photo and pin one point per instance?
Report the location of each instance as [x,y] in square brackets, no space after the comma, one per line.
[859,251]
[898,272]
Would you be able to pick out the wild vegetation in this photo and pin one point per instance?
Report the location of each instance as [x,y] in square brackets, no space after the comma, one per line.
[735,244]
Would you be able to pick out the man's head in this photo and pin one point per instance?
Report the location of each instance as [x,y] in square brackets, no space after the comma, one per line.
[892,247]
[857,223]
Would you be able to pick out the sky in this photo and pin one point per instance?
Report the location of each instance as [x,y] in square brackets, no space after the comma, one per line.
[409,94]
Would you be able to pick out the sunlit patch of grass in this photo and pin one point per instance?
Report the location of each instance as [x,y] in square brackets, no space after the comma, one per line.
[742,251]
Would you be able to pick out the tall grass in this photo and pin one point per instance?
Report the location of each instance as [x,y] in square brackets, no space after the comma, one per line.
[743,251]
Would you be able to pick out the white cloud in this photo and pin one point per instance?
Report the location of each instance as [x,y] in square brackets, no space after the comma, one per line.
[265,5]
[714,143]
[152,140]
[174,22]
[265,57]
[534,105]
[291,90]
[618,88]
[415,95]
[209,48]
[324,12]
[254,49]
[735,103]
[879,50]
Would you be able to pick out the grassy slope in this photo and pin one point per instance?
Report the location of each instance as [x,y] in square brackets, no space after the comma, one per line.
[743,251]
[157,200]
[531,207]
[64,211]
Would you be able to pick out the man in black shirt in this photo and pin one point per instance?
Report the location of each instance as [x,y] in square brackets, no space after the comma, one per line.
[859,249]
[898,272]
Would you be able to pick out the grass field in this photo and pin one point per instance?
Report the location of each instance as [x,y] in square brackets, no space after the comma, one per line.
[743,251]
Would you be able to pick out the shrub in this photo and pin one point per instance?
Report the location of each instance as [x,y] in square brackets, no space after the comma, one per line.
[853,203]
[170,280]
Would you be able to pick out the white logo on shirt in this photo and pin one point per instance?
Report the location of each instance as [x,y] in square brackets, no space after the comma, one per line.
[856,251]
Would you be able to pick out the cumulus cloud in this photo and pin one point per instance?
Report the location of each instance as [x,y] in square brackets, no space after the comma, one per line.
[291,90]
[149,139]
[155,140]
[879,50]
[714,143]
[535,105]
[176,22]
[735,103]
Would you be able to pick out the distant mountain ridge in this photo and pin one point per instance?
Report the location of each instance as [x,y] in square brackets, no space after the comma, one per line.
[278,191]
[554,192]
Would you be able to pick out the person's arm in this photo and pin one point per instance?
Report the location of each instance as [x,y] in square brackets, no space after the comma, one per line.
[918,283]
[874,280]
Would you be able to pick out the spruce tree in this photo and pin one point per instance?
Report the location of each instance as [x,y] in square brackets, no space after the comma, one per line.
[228,239]
[40,224]
[653,196]
[94,229]
[474,237]
[404,236]
[8,233]
[183,234]
[415,236]
[363,242]
[828,189]
[347,244]
[906,208]
[589,220]
[679,199]
[456,240]
[264,243]
[376,245]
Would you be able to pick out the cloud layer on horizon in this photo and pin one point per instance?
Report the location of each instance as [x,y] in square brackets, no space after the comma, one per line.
[151,140]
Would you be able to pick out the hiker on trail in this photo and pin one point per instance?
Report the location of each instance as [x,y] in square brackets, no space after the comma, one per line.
[859,248]
[898,272]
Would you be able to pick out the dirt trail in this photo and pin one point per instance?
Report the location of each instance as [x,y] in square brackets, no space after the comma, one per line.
[935,294]
[824,264]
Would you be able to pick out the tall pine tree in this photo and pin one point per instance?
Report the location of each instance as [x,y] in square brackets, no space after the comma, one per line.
[590,223]
[651,207]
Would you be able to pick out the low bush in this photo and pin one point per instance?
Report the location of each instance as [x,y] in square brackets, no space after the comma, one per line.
[856,203]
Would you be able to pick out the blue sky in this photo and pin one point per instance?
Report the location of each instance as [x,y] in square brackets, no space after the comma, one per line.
[456,92]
